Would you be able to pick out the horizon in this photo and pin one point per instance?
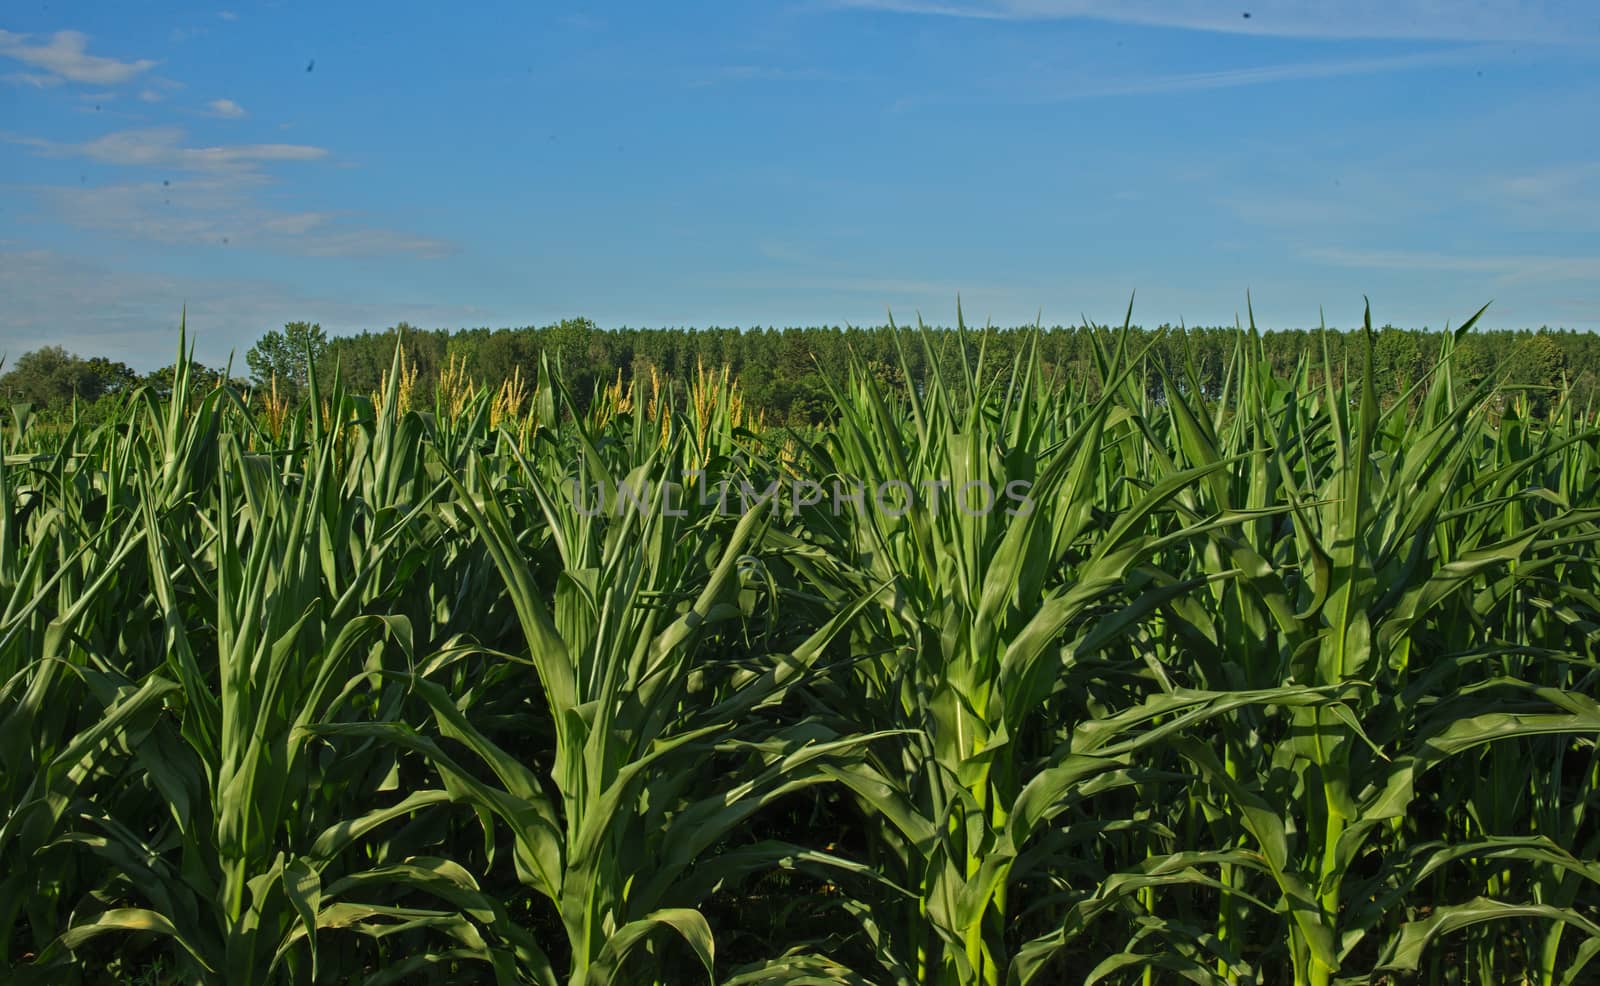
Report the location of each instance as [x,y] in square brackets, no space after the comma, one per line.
[236,358]
[805,163]
[159,361]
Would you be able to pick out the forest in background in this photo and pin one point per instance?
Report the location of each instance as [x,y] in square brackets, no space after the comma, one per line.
[781,371]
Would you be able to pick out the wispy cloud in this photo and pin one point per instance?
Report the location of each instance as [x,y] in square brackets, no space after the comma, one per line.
[1563,196]
[796,274]
[765,73]
[164,147]
[214,197]
[227,15]
[582,22]
[1265,74]
[226,109]
[1555,182]
[37,80]
[226,211]
[65,57]
[1464,20]
[1503,268]
[1291,211]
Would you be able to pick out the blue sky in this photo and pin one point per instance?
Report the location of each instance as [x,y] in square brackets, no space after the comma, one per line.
[790,163]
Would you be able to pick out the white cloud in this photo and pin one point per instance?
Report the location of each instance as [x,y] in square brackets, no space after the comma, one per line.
[65,56]
[1463,20]
[163,147]
[227,15]
[226,108]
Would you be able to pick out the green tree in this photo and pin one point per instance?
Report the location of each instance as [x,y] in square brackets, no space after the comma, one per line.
[110,376]
[1538,365]
[286,355]
[202,379]
[51,376]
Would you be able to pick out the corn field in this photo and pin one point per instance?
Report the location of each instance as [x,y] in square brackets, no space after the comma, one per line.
[1271,685]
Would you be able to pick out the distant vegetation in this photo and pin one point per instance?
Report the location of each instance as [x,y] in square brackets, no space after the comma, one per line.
[781,371]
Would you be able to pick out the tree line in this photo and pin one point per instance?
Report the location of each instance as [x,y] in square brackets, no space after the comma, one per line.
[783,373]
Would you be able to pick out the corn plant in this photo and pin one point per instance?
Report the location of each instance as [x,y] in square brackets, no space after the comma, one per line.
[656,752]
[1045,678]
